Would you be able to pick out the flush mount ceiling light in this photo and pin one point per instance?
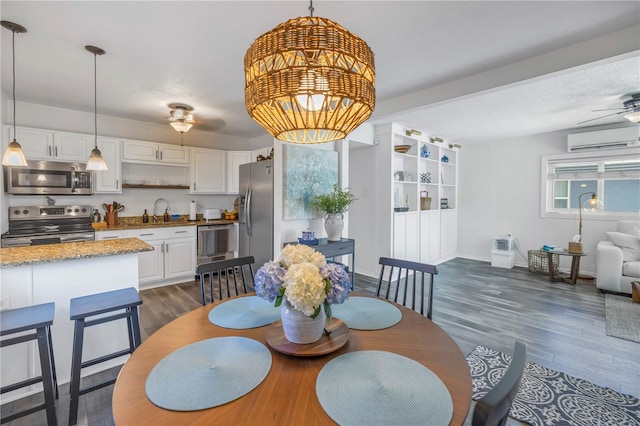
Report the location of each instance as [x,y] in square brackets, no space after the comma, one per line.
[181,118]
[309,80]
[14,156]
[95,162]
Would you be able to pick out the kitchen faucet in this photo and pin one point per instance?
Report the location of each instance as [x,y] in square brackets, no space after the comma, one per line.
[155,208]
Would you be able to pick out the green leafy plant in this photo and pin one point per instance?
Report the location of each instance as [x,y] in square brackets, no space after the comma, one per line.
[336,201]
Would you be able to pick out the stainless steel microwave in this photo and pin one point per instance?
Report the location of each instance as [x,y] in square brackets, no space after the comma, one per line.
[48,178]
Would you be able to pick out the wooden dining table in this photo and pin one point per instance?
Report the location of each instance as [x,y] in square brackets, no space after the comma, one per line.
[287,396]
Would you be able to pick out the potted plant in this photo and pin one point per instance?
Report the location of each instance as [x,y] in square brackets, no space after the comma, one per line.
[333,205]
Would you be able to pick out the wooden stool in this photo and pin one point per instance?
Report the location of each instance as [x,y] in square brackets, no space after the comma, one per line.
[38,318]
[126,301]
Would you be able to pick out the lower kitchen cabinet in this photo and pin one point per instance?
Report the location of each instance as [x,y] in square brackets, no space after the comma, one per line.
[405,236]
[173,258]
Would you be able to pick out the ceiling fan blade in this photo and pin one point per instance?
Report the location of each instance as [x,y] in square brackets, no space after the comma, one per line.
[609,109]
[602,116]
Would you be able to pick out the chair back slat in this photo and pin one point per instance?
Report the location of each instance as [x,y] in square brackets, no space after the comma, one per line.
[402,283]
[235,271]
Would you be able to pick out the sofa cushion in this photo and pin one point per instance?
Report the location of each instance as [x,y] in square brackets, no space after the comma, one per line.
[630,245]
[631,269]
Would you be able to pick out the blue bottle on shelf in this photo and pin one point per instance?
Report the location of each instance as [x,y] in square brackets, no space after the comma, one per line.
[424,151]
[445,159]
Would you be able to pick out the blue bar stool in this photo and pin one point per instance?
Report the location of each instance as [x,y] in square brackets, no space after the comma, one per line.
[125,301]
[38,318]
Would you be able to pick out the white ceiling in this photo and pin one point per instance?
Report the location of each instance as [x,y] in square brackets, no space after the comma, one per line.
[465,70]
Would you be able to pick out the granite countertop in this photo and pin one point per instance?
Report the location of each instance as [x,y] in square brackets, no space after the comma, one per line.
[52,253]
[126,223]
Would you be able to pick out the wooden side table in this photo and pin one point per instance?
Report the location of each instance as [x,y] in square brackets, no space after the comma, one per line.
[575,268]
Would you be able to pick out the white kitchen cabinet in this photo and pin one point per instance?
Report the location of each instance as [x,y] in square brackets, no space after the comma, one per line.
[110,180]
[109,235]
[154,153]
[173,259]
[234,160]
[429,235]
[40,144]
[405,236]
[208,171]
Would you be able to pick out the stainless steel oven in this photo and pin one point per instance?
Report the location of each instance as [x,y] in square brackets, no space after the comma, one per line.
[48,178]
[37,225]
[216,242]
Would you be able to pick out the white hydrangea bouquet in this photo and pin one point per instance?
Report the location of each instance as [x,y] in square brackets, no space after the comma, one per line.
[305,279]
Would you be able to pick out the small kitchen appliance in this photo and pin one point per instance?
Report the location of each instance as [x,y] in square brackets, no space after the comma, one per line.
[209,214]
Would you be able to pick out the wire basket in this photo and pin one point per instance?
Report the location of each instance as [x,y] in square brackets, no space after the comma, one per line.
[539,262]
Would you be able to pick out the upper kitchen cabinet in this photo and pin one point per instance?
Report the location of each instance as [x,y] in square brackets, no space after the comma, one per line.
[154,153]
[40,144]
[110,180]
[234,160]
[208,171]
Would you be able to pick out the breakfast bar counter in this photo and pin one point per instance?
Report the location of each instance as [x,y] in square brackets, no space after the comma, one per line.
[57,273]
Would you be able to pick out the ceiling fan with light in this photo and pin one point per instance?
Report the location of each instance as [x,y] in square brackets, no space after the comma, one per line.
[630,110]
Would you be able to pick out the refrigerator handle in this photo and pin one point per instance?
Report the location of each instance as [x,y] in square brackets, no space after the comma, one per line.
[247,210]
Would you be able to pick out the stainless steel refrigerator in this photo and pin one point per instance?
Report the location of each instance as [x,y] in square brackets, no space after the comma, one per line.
[255,214]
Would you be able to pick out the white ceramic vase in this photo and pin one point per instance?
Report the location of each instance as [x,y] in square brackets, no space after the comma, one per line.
[334,224]
[299,328]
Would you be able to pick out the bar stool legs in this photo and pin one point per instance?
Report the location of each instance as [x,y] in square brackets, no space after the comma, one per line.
[40,319]
[124,301]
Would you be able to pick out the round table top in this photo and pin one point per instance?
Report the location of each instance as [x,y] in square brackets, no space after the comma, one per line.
[287,396]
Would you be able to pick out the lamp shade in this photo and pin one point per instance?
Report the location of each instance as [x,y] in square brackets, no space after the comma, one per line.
[96,161]
[309,80]
[14,156]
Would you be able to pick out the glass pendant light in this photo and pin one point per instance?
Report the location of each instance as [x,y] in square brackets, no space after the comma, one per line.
[14,156]
[95,162]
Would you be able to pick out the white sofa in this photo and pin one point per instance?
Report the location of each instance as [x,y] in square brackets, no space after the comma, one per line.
[618,258]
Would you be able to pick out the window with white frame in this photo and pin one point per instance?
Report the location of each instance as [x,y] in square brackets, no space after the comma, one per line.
[613,177]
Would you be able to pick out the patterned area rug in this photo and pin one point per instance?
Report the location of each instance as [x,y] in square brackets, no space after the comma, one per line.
[547,397]
[623,317]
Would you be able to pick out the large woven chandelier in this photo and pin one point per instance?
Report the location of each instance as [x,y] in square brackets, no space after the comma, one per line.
[309,80]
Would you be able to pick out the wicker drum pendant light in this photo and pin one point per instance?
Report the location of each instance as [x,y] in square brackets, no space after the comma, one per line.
[309,80]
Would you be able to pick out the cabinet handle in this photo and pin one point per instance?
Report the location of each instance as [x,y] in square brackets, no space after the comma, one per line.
[55,150]
[194,186]
[166,248]
[117,183]
[146,235]
[49,150]
[160,155]
[180,232]
[156,154]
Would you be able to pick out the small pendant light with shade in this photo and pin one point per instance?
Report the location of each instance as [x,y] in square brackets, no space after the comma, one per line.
[95,162]
[14,156]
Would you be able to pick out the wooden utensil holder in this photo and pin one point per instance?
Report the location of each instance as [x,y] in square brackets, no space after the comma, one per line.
[111,218]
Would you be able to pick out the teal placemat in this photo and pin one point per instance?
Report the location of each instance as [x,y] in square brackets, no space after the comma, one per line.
[382,388]
[208,373]
[244,312]
[367,313]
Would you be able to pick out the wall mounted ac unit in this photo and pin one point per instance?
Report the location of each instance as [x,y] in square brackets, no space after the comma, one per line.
[623,137]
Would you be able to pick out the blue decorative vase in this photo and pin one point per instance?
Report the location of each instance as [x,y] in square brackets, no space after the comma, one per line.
[445,159]
[424,151]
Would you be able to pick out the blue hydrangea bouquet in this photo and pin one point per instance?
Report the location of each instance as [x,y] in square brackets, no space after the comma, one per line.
[305,279]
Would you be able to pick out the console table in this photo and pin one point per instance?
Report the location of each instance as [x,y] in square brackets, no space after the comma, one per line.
[331,249]
[575,267]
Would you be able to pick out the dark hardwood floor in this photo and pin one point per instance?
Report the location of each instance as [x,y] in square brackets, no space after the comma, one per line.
[476,304]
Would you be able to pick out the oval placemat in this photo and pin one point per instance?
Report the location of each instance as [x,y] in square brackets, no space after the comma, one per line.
[208,373]
[367,313]
[382,388]
[244,312]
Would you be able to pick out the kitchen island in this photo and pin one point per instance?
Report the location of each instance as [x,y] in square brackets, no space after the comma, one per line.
[57,273]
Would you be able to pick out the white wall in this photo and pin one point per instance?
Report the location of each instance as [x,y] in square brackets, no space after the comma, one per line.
[499,193]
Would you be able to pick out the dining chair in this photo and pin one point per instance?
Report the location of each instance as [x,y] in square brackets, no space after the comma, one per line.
[402,281]
[237,271]
[493,408]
